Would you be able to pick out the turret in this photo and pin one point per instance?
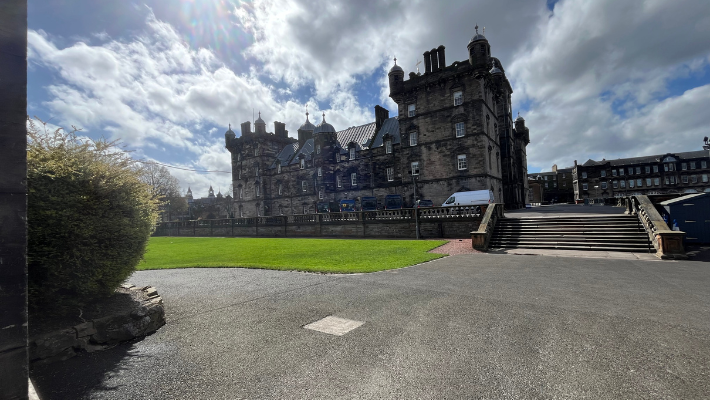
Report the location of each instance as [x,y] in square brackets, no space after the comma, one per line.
[229,135]
[479,51]
[211,193]
[260,126]
[305,132]
[324,135]
[396,76]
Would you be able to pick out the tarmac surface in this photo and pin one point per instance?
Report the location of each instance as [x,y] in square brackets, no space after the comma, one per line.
[466,326]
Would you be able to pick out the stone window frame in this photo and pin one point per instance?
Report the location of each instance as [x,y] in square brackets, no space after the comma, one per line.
[320,194]
[462,162]
[622,184]
[692,165]
[413,138]
[647,168]
[703,164]
[278,167]
[684,178]
[415,168]
[649,182]
[338,180]
[613,172]
[622,171]
[459,98]
[411,110]
[603,173]
[693,179]
[683,166]
[388,146]
[280,189]
[353,179]
[705,178]
[603,186]
[655,169]
[632,183]
[615,184]
[302,163]
[352,153]
[459,133]
[584,174]
[256,190]
[585,186]
[320,171]
[656,181]
[304,185]
[390,174]
[256,151]
[318,149]
[639,182]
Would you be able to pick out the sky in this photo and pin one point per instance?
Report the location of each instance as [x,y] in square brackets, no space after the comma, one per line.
[592,78]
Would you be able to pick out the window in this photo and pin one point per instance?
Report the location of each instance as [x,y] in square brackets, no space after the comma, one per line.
[338,181]
[621,172]
[388,147]
[657,181]
[411,110]
[684,166]
[390,174]
[554,184]
[303,163]
[615,184]
[413,139]
[305,209]
[648,169]
[415,168]
[353,179]
[281,189]
[460,129]
[320,171]
[458,98]
[256,171]
[256,150]
[613,172]
[545,185]
[564,176]
[585,186]
[648,181]
[666,180]
[278,168]
[320,194]
[692,165]
[461,162]
[545,177]
[705,178]
[673,180]
[638,170]
[655,169]
[631,170]
[256,189]
[703,164]
[317,149]
[304,185]
[684,178]
[693,178]
[241,193]
[240,174]
[622,184]
[631,183]
[352,153]
[639,182]
[603,185]
[603,173]
[584,175]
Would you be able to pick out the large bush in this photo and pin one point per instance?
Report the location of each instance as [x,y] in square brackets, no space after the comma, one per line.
[89,218]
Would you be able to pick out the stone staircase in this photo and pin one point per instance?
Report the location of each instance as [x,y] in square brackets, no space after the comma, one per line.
[599,232]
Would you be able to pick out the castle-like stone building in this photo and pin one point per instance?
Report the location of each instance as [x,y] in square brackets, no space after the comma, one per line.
[454,132]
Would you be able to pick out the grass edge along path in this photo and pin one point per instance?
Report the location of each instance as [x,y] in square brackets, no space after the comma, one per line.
[287,254]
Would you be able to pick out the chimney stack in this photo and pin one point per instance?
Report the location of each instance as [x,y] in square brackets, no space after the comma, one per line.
[442,57]
[427,62]
[246,128]
[381,114]
[434,60]
[280,129]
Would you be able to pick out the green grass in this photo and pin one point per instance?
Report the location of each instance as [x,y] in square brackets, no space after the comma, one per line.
[313,255]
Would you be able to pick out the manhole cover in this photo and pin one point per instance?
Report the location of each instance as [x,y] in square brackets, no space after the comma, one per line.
[334,325]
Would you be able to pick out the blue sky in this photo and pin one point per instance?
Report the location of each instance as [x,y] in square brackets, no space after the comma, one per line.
[593,78]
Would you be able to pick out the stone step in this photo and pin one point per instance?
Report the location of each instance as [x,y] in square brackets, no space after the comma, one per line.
[630,239]
[572,247]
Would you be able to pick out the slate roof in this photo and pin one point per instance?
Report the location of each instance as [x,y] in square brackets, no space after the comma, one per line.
[361,135]
[649,159]
[306,150]
[285,154]
[391,126]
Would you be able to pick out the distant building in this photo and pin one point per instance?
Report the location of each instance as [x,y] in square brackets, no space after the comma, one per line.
[455,132]
[687,172]
[557,185]
[210,207]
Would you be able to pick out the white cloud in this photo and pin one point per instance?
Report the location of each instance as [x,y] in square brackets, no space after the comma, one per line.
[596,74]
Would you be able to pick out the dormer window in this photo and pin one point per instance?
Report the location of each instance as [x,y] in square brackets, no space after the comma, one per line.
[303,163]
[458,98]
[411,110]
[388,147]
[352,153]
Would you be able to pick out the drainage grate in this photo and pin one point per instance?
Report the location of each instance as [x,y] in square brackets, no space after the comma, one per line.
[334,325]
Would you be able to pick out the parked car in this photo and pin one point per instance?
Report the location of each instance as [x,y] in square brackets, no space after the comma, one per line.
[425,203]
[393,202]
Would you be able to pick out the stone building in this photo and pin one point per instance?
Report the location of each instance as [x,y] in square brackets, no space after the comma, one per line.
[454,132]
[687,172]
[557,185]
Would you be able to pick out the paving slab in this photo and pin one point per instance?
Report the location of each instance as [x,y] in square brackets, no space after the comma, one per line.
[619,255]
[466,326]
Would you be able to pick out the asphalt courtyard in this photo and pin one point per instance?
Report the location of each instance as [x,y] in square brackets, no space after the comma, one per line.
[462,327]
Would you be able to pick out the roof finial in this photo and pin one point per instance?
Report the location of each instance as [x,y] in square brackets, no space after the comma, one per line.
[476,29]
[484,30]
[306,111]
[395,60]
[259,114]
[230,127]
[324,116]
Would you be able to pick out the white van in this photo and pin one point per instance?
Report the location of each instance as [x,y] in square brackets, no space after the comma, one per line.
[472,198]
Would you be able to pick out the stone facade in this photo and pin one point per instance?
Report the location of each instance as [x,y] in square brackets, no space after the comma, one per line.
[454,132]
[556,186]
[687,172]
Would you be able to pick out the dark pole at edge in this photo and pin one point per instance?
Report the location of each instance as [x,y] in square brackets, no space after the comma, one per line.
[13,200]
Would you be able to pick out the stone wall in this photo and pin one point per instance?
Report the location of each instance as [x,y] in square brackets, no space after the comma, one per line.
[436,222]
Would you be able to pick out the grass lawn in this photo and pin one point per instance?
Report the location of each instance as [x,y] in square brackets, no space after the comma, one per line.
[314,255]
